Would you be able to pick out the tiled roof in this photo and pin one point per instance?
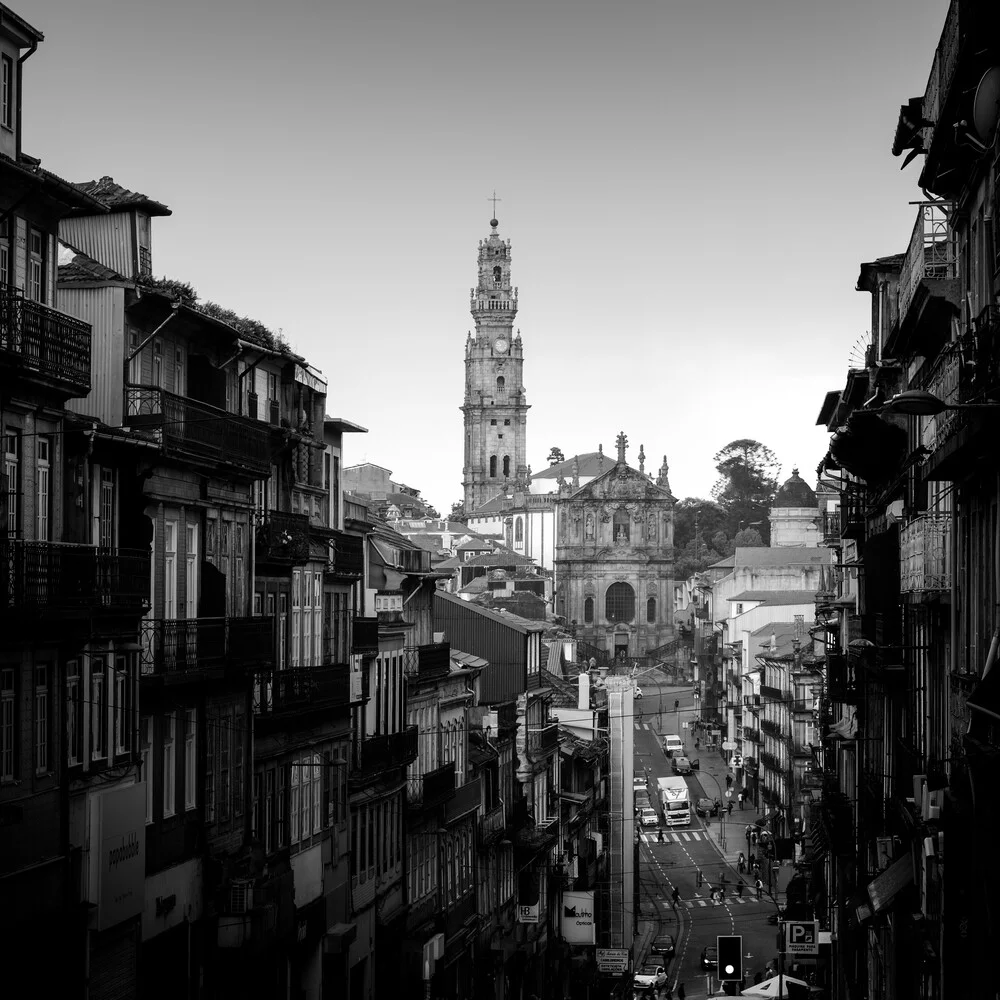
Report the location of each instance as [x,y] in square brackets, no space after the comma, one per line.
[795,492]
[777,596]
[511,621]
[588,465]
[501,557]
[493,505]
[75,266]
[115,196]
[790,555]
[477,585]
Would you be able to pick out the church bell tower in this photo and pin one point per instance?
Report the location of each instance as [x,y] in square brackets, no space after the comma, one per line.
[495,409]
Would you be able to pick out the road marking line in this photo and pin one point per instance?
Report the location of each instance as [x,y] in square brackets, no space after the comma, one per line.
[686,836]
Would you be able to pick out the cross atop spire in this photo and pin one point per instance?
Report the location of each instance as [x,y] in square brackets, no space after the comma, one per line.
[494,199]
[622,442]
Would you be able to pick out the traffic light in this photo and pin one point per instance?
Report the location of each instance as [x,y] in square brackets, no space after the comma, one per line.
[730,957]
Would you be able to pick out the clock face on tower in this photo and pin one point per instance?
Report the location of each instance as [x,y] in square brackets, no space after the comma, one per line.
[500,346]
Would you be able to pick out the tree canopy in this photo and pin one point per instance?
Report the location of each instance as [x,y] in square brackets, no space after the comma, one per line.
[748,480]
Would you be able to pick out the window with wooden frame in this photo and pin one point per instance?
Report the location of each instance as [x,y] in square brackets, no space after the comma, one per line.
[191,758]
[124,707]
[43,487]
[146,751]
[98,709]
[12,473]
[35,278]
[74,715]
[7,84]
[8,725]
[169,764]
[6,271]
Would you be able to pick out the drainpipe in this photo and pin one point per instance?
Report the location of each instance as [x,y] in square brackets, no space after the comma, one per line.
[20,62]
[174,307]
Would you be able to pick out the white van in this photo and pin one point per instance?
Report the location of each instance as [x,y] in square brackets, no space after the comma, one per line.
[672,744]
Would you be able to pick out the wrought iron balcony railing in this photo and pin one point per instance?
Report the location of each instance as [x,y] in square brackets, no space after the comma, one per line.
[830,527]
[197,430]
[491,825]
[61,576]
[428,662]
[770,693]
[931,257]
[39,341]
[431,788]
[376,754]
[348,555]
[283,538]
[925,554]
[771,728]
[543,739]
[752,734]
[300,689]
[175,646]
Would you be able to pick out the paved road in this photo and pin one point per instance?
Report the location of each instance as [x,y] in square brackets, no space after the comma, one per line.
[696,921]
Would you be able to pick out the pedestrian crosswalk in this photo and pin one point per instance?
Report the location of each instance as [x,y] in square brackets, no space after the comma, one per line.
[672,838]
[692,904]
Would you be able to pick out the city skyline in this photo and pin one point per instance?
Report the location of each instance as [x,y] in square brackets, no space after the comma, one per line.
[688,190]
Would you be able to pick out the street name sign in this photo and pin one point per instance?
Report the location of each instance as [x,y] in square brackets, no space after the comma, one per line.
[614,960]
[801,937]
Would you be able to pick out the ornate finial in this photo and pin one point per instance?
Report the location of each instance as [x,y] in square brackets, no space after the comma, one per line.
[642,459]
[795,472]
[600,459]
[576,472]
[622,442]
[494,199]
[661,479]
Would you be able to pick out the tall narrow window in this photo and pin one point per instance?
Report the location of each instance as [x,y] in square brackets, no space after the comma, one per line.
[317,654]
[239,592]
[588,610]
[493,466]
[170,569]
[106,512]
[211,732]
[293,783]
[317,795]
[282,630]
[190,758]
[158,363]
[12,470]
[98,710]
[238,791]
[518,530]
[651,610]
[180,384]
[8,725]
[281,803]
[123,705]
[43,487]
[296,614]
[74,714]
[35,284]
[7,91]
[146,749]
[191,573]
[501,384]
[169,763]
[270,814]
[225,763]
[506,465]
[6,274]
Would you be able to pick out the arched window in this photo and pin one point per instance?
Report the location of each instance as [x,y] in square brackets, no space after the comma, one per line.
[519,522]
[588,610]
[501,382]
[493,466]
[621,525]
[619,603]
[506,465]
[497,274]
[651,610]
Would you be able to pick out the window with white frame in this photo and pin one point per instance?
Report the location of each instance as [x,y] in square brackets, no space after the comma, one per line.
[124,704]
[43,487]
[191,573]
[34,287]
[317,653]
[7,83]
[12,470]
[211,733]
[98,709]
[106,509]
[169,763]
[74,714]
[6,274]
[270,832]
[294,796]
[8,725]
[225,763]
[146,750]
[169,569]
[237,738]
[190,758]
[296,615]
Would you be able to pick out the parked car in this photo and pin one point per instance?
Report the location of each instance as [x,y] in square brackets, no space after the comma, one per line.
[706,807]
[638,784]
[664,945]
[681,765]
[648,817]
[709,957]
[651,978]
[642,800]
[637,692]
[673,744]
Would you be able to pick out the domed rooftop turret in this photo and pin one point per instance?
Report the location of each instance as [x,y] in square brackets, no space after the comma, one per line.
[795,492]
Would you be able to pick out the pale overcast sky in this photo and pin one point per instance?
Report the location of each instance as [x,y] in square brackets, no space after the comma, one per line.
[689,188]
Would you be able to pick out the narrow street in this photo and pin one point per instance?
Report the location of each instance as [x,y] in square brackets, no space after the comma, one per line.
[697,920]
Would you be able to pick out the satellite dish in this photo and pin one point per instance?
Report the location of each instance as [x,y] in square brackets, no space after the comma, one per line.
[986,106]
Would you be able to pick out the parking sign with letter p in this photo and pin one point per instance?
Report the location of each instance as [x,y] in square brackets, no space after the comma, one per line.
[802,937]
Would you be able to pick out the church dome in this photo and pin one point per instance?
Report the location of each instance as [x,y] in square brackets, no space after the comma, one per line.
[795,492]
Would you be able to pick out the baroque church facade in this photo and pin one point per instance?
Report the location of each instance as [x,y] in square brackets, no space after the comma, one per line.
[603,528]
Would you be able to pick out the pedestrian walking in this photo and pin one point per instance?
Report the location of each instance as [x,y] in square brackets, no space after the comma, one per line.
[739,888]
[746,833]
[697,743]
[729,781]
[680,991]
[753,838]
[677,704]
[699,878]
[675,896]
[753,861]
[760,887]
[739,798]
[741,864]
[729,807]
[659,835]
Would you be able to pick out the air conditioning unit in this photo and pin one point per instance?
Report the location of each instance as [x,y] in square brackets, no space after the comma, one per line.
[241,895]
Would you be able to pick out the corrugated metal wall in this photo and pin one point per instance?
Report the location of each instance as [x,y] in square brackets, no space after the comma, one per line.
[497,642]
[107,238]
[104,310]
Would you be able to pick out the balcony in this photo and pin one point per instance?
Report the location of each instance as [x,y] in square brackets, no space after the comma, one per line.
[302,690]
[925,554]
[853,511]
[256,912]
[830,527]
[195,430]
[491,825]
[771,728]
[63,577]
[770,761]
[928,281]
[377,754]
[424,791]
[41,343]
[752,734]
[364,636]
[772,693]
[536,836]
[175,647]
[427,663]
[840,680]
[543,740]
[348,552]
[283,539]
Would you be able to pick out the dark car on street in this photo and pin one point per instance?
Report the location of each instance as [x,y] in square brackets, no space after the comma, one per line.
[707,807]
[664,945]
[709,957]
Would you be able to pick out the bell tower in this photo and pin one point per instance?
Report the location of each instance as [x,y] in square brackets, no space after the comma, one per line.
[494,408]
